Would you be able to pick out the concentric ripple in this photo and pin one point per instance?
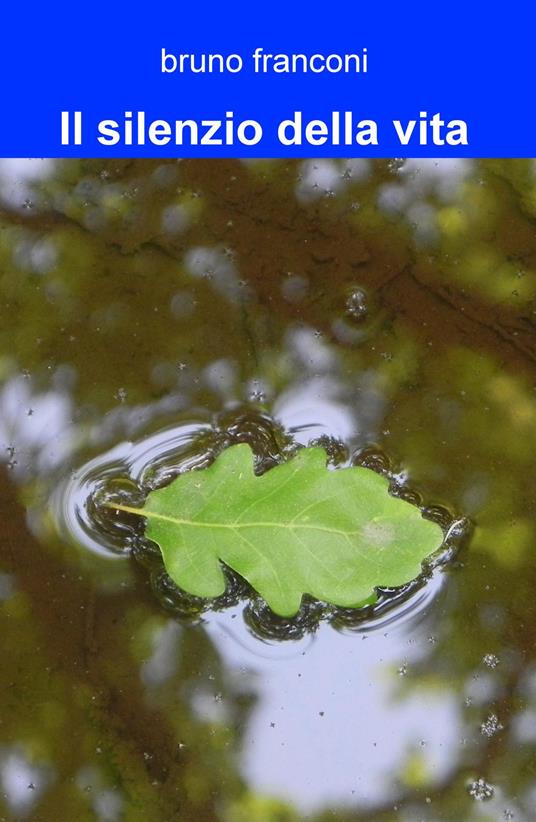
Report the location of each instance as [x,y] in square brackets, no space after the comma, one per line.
[128,472]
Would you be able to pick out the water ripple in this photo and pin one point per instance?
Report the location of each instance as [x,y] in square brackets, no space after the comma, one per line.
[128,472]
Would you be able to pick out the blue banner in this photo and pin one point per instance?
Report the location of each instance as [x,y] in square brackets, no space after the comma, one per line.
[267,80]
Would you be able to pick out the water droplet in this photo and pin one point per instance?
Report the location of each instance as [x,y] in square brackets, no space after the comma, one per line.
[121,394]
[402,671]
[481,790]
[491,660]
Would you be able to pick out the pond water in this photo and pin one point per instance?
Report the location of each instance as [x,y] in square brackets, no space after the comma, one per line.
[155,312]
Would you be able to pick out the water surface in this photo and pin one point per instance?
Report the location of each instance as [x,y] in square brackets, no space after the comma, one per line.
[154,312]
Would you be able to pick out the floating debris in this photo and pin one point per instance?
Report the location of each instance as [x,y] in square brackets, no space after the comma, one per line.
[481,790]
[491,726]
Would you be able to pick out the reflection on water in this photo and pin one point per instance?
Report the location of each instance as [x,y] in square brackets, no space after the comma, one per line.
[343,682]
[152,314]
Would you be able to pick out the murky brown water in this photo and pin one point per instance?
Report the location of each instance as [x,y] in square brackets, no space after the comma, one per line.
[153,312]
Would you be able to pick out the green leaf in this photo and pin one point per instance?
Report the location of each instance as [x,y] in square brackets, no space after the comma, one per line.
[299,528]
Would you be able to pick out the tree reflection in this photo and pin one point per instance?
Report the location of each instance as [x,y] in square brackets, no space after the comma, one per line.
[389,304]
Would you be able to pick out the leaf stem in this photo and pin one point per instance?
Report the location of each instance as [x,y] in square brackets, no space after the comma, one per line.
[117,506]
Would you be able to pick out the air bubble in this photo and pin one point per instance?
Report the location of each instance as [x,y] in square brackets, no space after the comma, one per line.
[356,305]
